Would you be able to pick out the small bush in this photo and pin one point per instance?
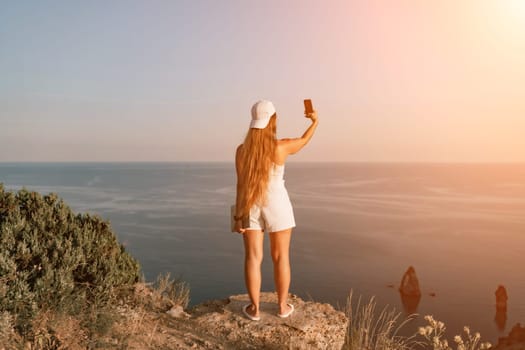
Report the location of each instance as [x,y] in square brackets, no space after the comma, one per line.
[434,335]
[53,259]
[176,291]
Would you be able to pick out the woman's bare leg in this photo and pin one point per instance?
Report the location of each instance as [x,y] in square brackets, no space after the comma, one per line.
[253,248]
[280,246]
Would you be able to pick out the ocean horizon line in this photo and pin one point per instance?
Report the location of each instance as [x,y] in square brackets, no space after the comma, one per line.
[429,162]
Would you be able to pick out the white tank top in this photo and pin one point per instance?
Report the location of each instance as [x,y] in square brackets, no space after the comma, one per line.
[277,172]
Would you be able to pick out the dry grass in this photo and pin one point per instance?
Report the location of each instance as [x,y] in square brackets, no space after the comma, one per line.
[134,321]
[57,331]
[8,335]
[366,330]
[176,291]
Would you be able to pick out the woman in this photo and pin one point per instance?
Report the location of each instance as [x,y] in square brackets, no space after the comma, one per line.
[262,203]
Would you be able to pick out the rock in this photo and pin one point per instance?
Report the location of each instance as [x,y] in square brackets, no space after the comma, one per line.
[514,341]
[501,307]
[410,303]
[409,290]
[177,311]
[312,325]
[410,284]
[501,297]
[501,319]
[517,334]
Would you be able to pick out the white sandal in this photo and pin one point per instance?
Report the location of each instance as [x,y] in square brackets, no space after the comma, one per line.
[288,313]
[253,318]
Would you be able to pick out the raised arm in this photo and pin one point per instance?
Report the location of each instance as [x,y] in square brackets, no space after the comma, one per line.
[292,146]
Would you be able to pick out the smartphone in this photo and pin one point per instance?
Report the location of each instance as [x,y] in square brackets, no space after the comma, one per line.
[308,108]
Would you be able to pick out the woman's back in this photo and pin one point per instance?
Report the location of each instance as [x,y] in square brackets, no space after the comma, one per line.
[277,172]
[260,159]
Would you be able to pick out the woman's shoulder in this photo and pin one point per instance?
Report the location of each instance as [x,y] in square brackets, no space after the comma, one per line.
[280,151]
[283,142]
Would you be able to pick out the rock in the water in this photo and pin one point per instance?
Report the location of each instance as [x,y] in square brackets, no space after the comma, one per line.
[501,307]
[410,303]
[501,297]
[514,341]
[410,284]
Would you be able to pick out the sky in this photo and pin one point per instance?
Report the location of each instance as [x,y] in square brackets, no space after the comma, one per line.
[399,80]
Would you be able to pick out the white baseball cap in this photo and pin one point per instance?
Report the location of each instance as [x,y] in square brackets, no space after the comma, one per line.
[262,111]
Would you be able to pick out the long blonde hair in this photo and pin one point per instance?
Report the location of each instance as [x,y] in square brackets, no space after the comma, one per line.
[257,158]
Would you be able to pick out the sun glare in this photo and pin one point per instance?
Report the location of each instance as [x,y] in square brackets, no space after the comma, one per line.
[516,8]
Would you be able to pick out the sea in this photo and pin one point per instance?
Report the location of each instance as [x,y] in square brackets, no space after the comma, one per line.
[360,226]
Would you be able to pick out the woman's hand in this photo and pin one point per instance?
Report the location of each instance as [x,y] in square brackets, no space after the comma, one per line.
[238,227]
[312,115]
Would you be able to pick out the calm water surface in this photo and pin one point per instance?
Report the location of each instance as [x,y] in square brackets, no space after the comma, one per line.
[359,226]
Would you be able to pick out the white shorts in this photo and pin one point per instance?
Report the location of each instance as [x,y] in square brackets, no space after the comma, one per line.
[276,214]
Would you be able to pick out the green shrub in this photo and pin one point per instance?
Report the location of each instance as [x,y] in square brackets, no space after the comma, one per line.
[51,258]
